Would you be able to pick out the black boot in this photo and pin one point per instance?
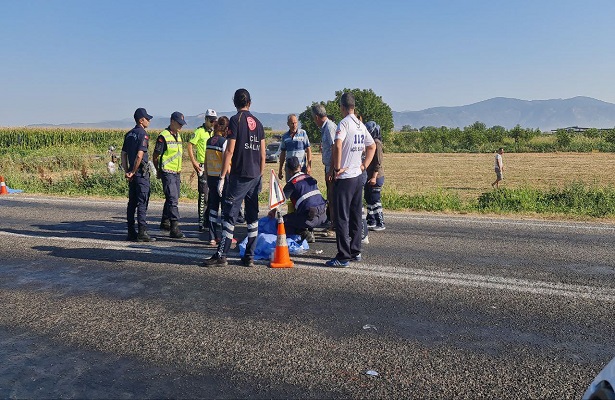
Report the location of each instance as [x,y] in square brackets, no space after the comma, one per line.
[165,225]
[143,236]
[175,232]
[132,234]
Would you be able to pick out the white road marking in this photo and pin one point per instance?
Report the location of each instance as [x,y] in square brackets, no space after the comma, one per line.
[479,281]
[372,270]
[494,221]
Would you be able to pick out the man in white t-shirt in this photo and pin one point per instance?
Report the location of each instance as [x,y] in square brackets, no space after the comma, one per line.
[351,138]
[499,168]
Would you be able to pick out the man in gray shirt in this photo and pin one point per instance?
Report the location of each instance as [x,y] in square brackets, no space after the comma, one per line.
[327,135]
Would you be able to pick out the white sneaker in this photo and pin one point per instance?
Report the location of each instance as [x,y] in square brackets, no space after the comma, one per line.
[365,240]
[378,228]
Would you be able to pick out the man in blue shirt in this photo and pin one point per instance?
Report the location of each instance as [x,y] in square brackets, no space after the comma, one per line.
[244,163]
[136,167]
[295,143]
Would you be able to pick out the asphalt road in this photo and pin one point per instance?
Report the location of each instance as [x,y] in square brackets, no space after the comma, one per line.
[441,306]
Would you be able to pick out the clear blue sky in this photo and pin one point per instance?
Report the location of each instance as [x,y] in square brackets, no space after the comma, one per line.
[88,61]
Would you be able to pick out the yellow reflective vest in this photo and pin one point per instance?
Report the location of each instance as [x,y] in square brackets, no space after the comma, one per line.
[171,159]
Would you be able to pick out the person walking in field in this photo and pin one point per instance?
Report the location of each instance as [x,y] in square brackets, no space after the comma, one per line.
[351,139]
[499,168]
[168,160]
[244,162]
[375,181]
[198,140]
[135,163]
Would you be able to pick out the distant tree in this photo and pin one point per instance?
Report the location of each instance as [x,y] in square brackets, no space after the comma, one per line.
[473,136]
[609,136]
[592,133]
[521,135]
[496,134]
[407,128]
[368,105]
[478,126]
[563,139]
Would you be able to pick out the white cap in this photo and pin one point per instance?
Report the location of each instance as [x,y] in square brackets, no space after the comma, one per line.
[211,113]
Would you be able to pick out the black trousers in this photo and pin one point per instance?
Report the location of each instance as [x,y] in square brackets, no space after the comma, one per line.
[348,215]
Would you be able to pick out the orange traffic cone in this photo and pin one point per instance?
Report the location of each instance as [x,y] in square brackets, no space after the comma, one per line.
[3,189]
[281,257]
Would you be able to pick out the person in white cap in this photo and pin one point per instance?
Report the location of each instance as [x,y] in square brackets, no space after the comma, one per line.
[199,140]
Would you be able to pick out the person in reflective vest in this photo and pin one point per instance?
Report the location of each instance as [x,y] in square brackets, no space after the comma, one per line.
[198,142]
[216,145]
[309,208]
[168,161]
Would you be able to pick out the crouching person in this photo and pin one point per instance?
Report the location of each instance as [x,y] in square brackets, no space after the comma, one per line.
[309,208]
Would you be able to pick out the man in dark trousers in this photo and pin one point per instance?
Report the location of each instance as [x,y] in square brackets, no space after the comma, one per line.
[351,139]
[244,162]
[168,161]
[309,207]
[135,163]
[198,143]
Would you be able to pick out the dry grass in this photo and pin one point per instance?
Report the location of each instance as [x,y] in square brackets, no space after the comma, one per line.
[472,174]
[469,175]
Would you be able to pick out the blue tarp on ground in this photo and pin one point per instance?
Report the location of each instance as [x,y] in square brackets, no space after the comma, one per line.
[266,240]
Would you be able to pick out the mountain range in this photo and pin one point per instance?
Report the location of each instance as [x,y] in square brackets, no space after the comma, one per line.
[543,114]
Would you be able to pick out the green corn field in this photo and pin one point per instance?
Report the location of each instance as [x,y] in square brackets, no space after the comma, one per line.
[70,161]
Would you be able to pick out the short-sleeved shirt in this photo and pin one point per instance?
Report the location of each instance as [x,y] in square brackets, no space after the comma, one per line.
[161,144]
[327,135]
[498,156]
[135,140]
[354,136]
[248,132]
[199,140]
[295,145]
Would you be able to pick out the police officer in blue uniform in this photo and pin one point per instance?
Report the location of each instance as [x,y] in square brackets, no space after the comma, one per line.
[310,208]
[136,167]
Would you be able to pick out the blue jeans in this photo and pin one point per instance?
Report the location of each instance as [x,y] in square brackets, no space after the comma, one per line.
[170,187]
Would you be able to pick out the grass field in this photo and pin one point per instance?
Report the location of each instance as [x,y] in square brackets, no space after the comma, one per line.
[579,184]
[469,175]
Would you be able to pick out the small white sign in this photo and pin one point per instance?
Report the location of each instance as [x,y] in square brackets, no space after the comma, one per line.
[276,194]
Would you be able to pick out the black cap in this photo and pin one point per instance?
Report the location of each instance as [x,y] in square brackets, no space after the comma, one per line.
[293,163]
[141,113]
[178,117]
